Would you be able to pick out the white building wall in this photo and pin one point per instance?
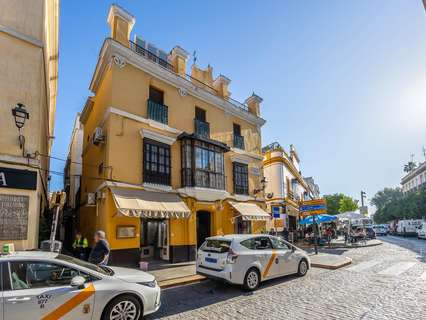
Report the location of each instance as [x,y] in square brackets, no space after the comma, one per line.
[75,157]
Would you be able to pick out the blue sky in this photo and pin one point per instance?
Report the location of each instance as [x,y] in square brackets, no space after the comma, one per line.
[344,81]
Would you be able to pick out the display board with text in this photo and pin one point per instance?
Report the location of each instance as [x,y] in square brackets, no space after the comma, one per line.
[313,207]
[13,217]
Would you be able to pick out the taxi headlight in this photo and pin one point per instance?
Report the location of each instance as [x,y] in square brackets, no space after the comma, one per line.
[151,284]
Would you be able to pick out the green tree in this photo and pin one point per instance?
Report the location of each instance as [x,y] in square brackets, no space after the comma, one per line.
[392,205]
[386,196]
[339,203]
[333,203]
[347,204]
[410,166]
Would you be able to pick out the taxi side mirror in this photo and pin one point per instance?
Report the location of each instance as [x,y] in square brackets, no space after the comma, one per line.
[78,282]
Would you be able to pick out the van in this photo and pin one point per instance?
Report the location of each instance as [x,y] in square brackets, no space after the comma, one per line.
[408,228]
[421,231]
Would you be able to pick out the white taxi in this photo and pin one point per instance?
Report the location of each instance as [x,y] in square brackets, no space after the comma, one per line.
[248,259]
[48,285]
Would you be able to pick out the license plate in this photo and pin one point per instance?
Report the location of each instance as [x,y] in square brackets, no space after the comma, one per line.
[211,260]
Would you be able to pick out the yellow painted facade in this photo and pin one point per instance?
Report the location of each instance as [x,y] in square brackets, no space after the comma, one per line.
[121,86]
[28,75]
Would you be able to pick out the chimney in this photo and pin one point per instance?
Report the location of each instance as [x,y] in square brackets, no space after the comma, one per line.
[221,84]
[204,76]
[179,57]
[121,23]
[253,103]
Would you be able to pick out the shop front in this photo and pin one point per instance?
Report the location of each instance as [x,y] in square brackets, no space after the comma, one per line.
[156,214]
[249,218]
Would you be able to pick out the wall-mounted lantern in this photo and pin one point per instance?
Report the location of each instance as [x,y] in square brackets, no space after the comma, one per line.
[21,115]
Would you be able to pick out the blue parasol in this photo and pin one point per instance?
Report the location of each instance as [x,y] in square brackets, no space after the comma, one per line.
[319,218]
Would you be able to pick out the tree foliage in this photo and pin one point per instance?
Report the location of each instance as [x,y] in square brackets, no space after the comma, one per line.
[339,203]
[392,204]
[347,204]
[410,166]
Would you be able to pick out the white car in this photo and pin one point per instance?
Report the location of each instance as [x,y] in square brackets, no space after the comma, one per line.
[421,231]
[249,259]
[48,285]
[380,230]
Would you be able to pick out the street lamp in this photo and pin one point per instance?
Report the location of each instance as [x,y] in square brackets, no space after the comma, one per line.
[20,114]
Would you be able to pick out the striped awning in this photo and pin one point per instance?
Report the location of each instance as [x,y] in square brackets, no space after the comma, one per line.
[250,211]
[149,204]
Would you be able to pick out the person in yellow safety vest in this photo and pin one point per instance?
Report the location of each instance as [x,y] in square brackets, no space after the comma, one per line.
[79,246]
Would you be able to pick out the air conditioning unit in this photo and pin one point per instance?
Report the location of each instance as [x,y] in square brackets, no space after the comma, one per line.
[98,136]
[91,199]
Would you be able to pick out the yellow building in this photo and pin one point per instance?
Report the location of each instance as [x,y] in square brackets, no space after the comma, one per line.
[285,188]
[28,77]
[168,158]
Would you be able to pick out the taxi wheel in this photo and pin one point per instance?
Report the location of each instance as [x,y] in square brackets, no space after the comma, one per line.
[251,280]
[303,268]
[123,307]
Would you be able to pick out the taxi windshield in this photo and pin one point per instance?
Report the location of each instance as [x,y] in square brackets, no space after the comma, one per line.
[81,263]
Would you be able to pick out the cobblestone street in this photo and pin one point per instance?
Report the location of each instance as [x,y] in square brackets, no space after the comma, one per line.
[383,282]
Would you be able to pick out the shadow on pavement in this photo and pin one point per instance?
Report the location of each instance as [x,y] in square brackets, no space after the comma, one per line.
[329,251]
[185,298]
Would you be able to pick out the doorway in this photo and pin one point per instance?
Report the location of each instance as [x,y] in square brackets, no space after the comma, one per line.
[154,239]
[203,227]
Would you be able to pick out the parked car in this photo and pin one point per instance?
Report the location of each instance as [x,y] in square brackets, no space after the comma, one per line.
[249,259]
[380,230]
[48,285]
[421,231]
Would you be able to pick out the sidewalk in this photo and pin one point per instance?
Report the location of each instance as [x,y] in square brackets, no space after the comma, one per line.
[328,261]
[176,276]
[340,243]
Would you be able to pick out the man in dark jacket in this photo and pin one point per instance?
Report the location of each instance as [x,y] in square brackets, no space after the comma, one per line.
[100,252]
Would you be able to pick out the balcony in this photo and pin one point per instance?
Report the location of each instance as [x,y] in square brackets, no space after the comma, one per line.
[158,112]
[202,128]
[239,142]
[149,55]
[165,64]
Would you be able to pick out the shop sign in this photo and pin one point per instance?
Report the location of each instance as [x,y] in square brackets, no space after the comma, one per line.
[18,179]
[13,217]
[310,207]
[276,212]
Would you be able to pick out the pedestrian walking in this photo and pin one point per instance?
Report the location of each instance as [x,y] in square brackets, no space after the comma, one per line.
[100,252]
[80,246]
[285,233]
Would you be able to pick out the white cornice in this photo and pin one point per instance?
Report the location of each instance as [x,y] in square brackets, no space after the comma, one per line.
[151,123]
[247,154]
[204,194]
[112,48]
[145,133]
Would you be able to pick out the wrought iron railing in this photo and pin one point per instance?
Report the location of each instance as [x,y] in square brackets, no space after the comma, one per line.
[202,128]
[239,142]
[158,112]
[151,56]
[164,63]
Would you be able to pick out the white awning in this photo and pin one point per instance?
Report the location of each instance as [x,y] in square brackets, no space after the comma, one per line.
[250,211]
[149,204]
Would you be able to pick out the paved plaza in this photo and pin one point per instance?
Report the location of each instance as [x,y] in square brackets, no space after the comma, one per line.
[383,282]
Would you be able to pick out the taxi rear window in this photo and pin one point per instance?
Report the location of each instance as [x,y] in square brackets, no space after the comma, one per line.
[219,246]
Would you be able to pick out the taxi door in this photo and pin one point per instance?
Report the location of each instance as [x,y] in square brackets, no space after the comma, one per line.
[287,260]
[267,256]
[40,290]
